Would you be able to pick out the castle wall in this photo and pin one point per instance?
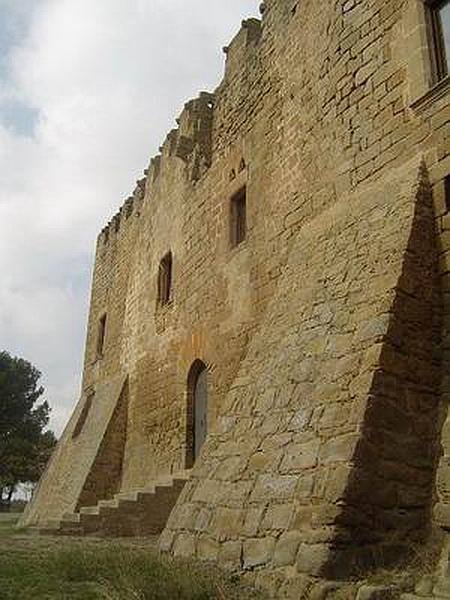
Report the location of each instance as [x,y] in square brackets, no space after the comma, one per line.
[324,114]
[353,113]
[219,292]
[326,448]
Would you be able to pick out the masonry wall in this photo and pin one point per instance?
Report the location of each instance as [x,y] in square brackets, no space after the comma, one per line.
[324,114]
[219,292]
[358,105]
[310,469]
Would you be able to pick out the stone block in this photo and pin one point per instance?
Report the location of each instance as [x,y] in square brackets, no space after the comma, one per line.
[184,518]
[337,483]
[208,549]
[264,461]
[300,456]
[273,487]
[442,514]
[227,523]
[230,555]
[229,469]
[372,329]
[305,486]
[166,540]
[209,489]
[258,551]
[372,592]
[286,549]
[325,590]
[184,545]
[203,519]
[253,517]
[339,449]
[278,516]
[442,588]
[312,558]
[425,586]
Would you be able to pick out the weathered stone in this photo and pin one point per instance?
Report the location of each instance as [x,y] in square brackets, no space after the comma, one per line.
[286,549]
[252,522]
[372,592]
[442,588]
[166,540]
[208,549]
[279,264]
[258,551]
[300,456]
[277,487]
[184,545]
[325,590]
[425,586]
[339,449]
[278,516]
[230,555]
[312,558]
[227,522]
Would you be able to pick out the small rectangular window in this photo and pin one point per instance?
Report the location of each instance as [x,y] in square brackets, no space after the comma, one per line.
[238,218]
[101,335]
[165,279]
[439,19]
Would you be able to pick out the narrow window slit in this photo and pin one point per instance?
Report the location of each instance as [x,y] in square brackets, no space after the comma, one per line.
[165,280]
[101,335]
[238,220]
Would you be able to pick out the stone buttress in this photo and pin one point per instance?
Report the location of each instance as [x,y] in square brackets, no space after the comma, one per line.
[325,455]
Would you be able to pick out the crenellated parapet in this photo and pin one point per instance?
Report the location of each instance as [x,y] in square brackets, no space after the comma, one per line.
[242,47]
[191,141]
[131,207]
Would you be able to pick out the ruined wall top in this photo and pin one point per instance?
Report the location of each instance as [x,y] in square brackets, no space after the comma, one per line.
[191,141]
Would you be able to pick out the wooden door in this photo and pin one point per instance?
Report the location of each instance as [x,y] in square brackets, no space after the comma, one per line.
[200,412]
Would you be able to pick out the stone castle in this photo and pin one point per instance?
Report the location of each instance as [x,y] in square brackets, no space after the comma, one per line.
[267,367]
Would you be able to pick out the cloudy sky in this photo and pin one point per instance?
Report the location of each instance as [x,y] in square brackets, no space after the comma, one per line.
[88,90]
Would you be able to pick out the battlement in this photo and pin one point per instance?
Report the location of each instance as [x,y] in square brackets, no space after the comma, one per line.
[191,140]
[241,47]
[130,207]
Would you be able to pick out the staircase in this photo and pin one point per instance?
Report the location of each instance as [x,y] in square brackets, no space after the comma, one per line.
[141,512]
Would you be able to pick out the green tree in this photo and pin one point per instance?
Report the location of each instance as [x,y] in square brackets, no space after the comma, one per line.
[24,445]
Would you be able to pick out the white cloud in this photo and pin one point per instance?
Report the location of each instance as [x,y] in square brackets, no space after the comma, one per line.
[105,81]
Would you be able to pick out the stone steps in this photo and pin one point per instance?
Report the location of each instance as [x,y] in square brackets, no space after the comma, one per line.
[139,512]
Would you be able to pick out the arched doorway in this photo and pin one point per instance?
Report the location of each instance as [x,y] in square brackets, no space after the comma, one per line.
[197,411]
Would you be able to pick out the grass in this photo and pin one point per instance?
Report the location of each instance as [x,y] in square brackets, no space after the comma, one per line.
[87,569]
[8,524]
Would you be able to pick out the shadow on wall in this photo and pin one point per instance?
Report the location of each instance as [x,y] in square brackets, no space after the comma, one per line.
[386,507]
[105,476]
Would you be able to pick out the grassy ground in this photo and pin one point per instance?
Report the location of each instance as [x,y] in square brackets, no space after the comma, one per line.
[35,568]
[8,524]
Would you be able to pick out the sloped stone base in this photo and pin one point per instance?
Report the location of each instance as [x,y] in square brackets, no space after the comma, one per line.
[324,457]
